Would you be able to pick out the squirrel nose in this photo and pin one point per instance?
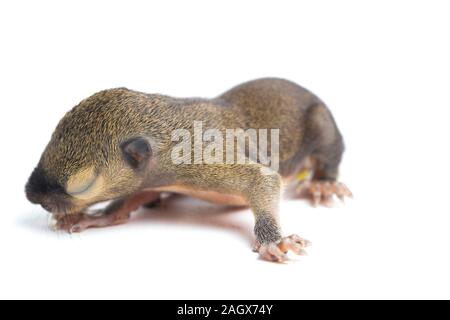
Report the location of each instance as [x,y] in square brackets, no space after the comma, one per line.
[37,198]
[32,187]
[31,196]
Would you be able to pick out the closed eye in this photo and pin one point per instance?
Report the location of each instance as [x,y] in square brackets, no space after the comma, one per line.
[82,183]
[79,189]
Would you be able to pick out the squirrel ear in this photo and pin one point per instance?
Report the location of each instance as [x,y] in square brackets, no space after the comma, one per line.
[137,152]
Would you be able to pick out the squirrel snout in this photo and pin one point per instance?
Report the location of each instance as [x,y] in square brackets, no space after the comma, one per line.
[36,198]
[32,195]
[39,198]
[40,188]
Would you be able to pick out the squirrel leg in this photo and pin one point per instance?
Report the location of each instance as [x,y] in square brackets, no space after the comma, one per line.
[116,213]
[325,147]
[261,189]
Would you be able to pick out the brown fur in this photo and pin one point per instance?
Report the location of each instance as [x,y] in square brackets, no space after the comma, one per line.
[90,135]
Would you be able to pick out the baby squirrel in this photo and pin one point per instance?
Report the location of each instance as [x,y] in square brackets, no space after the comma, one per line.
[118,145]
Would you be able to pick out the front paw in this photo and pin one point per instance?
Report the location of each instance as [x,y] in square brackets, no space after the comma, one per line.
[78,222]
[277,252]
[72,223]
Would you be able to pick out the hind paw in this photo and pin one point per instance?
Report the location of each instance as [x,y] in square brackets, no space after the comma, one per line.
[323,191]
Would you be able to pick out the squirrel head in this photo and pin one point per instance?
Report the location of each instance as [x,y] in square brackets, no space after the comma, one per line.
[98,152]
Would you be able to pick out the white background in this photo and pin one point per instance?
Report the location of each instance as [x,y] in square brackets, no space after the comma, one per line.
[383,67]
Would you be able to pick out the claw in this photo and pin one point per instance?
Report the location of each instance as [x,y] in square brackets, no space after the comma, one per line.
[75,229]
[278,252]
[322,192]
[347,191]
[303,242]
